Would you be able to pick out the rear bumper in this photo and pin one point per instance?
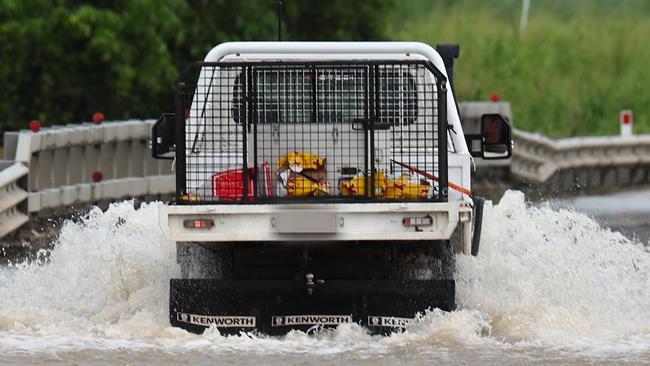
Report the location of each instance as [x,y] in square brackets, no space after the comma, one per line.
[313,222]
[275,307]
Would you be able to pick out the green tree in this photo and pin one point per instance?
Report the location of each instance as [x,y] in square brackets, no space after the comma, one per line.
[62,60]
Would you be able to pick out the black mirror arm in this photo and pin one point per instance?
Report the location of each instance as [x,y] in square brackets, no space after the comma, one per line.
[469,139]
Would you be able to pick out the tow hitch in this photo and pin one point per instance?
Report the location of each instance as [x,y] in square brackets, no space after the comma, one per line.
[311,284]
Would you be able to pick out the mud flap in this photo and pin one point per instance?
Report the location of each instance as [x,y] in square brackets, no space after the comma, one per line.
[479,202]
[275,307]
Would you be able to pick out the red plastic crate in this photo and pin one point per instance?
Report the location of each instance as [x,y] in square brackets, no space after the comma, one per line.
[227,185]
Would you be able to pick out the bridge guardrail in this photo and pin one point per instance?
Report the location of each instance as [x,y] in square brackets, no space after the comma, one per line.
[12,196]
[536,157]
[76,164]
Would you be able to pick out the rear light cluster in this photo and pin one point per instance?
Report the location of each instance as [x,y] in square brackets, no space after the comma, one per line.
[418,221]
[198,223]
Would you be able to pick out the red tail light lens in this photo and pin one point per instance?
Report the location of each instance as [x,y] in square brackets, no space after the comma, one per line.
[198,223]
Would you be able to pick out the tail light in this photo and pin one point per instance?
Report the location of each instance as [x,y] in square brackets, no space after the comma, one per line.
[198,223]
[417,221]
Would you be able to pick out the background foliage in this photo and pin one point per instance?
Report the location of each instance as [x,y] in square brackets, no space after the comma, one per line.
[62,60]
[576,65]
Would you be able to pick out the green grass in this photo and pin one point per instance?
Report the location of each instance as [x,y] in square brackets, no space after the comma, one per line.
[576,65]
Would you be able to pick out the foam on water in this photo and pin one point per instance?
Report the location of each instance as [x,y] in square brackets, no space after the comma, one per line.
[554,277]
[546,278]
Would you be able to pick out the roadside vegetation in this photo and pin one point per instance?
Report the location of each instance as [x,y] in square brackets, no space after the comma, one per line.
[571,71]
[63,60]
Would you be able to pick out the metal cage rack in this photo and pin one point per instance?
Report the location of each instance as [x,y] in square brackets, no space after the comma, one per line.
[339,131]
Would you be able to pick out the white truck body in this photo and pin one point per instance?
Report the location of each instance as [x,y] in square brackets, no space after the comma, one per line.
[336,222]
[319,183]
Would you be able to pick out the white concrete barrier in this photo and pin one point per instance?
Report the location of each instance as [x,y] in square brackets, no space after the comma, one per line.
[55,167]
[536,158]
[12,197]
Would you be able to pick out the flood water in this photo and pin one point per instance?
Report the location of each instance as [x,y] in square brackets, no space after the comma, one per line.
[550,285]
[627,212]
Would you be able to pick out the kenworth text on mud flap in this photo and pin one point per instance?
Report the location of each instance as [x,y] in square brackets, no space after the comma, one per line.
[319,183]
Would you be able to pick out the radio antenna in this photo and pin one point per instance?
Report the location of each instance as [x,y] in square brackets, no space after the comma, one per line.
[279,20]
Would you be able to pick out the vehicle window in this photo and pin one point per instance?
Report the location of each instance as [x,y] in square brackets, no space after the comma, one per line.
[327,95]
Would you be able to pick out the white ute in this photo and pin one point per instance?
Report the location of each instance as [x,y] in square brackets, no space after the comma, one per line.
[319,183]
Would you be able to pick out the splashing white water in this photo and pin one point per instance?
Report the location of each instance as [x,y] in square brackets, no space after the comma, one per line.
[545,279]
[556,278]
[111,270]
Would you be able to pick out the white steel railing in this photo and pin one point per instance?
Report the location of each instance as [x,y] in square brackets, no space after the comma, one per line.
[536,158]
[77,164]
[12,197]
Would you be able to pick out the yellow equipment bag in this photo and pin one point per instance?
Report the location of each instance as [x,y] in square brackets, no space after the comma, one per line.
[300,186]
[299,160]
[303,174]
[394,189]
[357,185]
[404,188]
[413,190]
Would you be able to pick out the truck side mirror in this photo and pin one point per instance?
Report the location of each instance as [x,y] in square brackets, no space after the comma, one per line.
[163,145]
[496,137]
[494,141]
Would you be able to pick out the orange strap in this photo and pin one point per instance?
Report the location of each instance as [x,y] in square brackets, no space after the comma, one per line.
[434,178]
